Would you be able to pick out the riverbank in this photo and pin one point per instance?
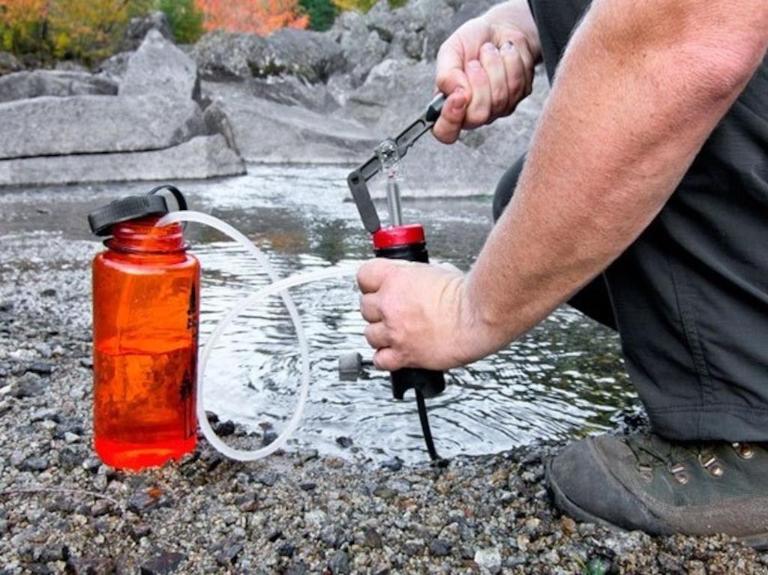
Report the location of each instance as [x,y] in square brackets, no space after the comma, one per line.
[299,512]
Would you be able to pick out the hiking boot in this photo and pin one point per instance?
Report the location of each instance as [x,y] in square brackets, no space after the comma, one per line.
[645,482]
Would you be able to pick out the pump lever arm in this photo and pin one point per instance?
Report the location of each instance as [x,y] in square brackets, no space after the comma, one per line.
[359,178]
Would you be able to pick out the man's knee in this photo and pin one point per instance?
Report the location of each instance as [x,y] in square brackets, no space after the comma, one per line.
[506,187]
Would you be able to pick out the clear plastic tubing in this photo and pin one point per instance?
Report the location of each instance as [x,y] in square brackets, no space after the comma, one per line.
[278,287]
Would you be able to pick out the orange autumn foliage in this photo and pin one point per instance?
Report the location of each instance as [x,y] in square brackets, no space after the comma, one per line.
[252,16]
[20,22]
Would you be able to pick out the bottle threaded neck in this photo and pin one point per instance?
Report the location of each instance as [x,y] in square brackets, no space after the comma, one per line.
[143,236]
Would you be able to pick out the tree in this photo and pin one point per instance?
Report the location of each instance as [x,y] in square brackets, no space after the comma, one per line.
[86,29]
[321,13]
[252,16]
[185,18]
[22,24]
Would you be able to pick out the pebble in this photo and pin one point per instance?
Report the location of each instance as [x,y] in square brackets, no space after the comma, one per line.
[162,563]
[307,455]
[489,559]
[47,413]
[229,554]
[440,548]
[345,442]
[308,486]
[29,385]
[225,428]
[372,538]
[394,464]
[339,563]
[36,464]
[286,550]
[40,368]
[268,438]
[146,500]
[268,478]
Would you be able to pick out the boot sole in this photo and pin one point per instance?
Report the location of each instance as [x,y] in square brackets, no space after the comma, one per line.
[758,542]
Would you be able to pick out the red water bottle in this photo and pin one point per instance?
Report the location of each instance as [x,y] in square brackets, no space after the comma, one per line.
[146,294]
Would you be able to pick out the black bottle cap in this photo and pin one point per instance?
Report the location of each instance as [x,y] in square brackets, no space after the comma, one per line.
[133,208]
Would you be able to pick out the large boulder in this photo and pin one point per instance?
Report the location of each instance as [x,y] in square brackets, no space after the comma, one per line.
[267,131]
[96,124]
[9,63]
[363,48]
[306,54]
[201,157]
[38,83]
[140,26]
[159,67]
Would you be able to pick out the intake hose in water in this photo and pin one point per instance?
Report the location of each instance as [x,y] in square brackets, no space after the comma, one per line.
[277,287]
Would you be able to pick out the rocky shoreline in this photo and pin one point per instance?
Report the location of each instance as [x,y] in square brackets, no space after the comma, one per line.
[158,111]
[61,510]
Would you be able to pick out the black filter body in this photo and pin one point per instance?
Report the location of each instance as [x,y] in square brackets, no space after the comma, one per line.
[407,243]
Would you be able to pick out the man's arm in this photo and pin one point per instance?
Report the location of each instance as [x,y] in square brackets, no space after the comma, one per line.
[639,90]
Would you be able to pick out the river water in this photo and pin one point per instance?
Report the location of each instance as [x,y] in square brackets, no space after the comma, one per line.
[564,379]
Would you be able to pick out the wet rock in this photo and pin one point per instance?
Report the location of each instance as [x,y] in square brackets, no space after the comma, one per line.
[344,442]
[54,83]
[440,548]
[163,563]
[339,563]
[225,428]
[200,158]
[268,438]
[141,26]
[489,559]
[159,67]
[394,464]
[307,455]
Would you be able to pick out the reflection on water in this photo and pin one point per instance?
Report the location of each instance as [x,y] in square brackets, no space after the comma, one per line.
[564,379]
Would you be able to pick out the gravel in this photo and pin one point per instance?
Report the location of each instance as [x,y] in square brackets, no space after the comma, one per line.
[61,510]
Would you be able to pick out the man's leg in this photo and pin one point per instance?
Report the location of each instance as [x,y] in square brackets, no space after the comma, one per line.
[691,304]
[593,300]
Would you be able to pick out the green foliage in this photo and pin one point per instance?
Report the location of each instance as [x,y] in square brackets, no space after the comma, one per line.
[321,13]
[185,18]
[365,5]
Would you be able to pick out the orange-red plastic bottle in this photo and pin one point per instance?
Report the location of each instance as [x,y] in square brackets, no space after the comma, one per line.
[146,294]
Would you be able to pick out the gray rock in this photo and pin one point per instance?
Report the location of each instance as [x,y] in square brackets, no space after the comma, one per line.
[200,158]
[96,124]
[115,67]
[29,385]
[9,63]
[310,55]
[38,83]
[141,26]
[269,132]
[159,67]
[36,464]
[363,48]
[162,563]
[439,548]
[489,559]
[339,563]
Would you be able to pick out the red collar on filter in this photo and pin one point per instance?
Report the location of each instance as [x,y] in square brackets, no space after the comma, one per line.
[399,236]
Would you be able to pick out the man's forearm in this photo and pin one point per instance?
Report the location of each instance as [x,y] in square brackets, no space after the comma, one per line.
[639,90]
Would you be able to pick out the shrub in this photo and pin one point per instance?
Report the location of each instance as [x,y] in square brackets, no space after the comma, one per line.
[185,18]
[22,25]
[321,13]
[252,16]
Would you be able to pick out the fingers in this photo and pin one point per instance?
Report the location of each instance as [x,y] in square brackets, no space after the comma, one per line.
[449,124]
[479,109]
[518,84]
[494,67]
[369,308]
[378,335]
[371,275]
[388,359]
